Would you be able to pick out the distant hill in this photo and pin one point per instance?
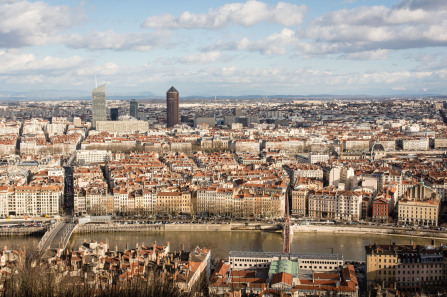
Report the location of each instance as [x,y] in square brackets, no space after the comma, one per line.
[147,95]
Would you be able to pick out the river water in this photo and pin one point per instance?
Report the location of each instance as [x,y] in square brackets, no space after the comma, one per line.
[351,246]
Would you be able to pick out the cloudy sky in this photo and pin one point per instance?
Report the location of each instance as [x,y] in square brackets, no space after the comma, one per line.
[219,47]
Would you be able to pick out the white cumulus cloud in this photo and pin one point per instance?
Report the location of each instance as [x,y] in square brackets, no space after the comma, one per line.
[245,14]
[24,23]
[111,40]
[276,43]
[13,61]
[409,24]
[201,58]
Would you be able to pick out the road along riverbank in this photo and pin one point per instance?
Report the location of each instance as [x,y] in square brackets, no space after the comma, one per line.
[266,227]
[114,227]
[422,233]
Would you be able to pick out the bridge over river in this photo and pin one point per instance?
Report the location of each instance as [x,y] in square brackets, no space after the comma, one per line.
[57,236]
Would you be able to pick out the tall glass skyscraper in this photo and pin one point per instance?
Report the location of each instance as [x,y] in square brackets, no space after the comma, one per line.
[114,113]
[134,108]
[99,110]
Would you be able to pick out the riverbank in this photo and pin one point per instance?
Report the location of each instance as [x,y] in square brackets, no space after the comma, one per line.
[421,233]
[113,227]
[227,227]
[22,231]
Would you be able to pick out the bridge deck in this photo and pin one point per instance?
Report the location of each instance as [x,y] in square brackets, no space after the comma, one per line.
[56,237]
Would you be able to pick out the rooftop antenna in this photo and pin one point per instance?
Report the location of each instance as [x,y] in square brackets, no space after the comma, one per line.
[96,83]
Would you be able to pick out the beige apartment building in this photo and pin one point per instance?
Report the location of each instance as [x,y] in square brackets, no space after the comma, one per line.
[357,145]
[404,266]
[380,264]
[130,126]
[261,205]
[329,204]
[245,203]
[420,206]
[299,202]
[440,143]
[31,200]
[173,202]
[214,201]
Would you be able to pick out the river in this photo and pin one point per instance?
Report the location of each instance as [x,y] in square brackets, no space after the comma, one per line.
[351,246]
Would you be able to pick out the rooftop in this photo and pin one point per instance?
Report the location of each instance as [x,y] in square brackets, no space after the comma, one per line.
[172,90]
[249,254]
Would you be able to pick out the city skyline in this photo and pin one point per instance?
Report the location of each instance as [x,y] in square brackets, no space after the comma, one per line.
[227,48]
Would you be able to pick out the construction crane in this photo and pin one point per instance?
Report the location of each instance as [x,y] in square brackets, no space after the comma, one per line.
[341,145]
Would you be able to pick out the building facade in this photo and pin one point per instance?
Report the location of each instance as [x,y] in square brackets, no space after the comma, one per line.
[125,127]
[173,110]
[114,113]
[299,202]
[404,266]
[343,205]
[134,108]
[173,202]
[99,108]
[420,206]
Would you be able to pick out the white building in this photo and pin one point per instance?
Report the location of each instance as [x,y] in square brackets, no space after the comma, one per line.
[262,260]
[128,127]
[344,205]
[246,146]
[33,200]
[93,156]
[415,144]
